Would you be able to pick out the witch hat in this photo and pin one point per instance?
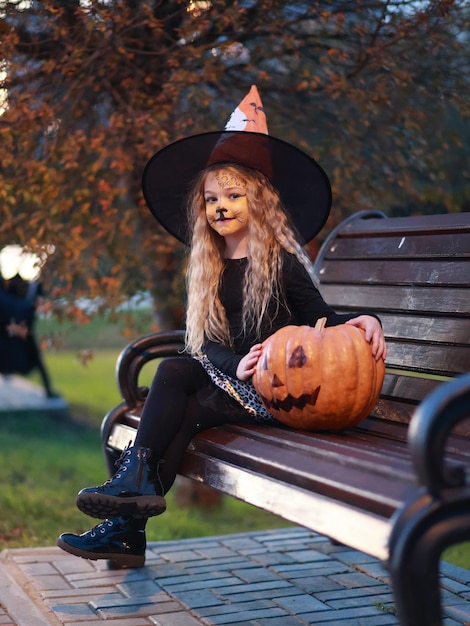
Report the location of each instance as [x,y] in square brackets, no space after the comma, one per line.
[302,184]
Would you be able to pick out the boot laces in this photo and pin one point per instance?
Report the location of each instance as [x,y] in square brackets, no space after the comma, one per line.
[121,463]
[101,528]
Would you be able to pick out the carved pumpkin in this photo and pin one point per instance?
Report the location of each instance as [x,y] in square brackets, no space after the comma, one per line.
[319,378]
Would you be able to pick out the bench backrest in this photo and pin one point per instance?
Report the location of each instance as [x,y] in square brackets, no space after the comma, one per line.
[414,272]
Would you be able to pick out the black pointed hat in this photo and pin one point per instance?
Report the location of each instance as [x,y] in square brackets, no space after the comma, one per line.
[302,184]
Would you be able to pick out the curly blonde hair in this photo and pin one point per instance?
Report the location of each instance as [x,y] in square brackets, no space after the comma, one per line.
[269,232]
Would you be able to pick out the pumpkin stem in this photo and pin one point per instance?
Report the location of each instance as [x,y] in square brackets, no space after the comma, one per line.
[320,325]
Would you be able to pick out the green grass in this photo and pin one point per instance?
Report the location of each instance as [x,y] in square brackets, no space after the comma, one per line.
[89,384]
[47,459]
[112,330]
[43,460]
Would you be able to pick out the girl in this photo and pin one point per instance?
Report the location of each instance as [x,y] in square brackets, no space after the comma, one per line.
[248,276]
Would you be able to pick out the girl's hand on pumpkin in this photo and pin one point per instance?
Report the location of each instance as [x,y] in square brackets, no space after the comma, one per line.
[246,367]
[373,334]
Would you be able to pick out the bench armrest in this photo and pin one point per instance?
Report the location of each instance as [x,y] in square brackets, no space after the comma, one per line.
[429,430]
[360,215]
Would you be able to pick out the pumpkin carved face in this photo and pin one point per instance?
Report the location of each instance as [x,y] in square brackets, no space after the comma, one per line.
[319,378]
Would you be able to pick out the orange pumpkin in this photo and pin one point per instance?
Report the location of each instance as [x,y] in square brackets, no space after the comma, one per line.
[319,378]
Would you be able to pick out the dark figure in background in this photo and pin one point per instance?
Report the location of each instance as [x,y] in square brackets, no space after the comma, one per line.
[19,350]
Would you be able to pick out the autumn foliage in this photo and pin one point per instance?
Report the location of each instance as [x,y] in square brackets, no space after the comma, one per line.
[376,91]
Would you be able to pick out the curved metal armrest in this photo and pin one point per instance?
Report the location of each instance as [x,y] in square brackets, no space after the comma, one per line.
[429,429]
[360,215]
[139,352]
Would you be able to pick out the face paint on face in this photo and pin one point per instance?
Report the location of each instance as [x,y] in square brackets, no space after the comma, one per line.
[226,204]
[227,179]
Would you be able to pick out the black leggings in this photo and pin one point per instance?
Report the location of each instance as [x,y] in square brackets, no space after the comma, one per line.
[182,402]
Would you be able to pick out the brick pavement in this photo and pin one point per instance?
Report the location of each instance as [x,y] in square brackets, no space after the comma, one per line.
[289,577]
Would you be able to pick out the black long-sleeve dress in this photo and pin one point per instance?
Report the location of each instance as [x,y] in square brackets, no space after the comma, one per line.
[189,394]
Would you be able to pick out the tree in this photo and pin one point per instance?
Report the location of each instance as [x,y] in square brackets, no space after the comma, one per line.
[376,90]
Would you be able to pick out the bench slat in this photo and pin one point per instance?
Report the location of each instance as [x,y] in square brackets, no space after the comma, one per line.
[409,388]
[440,360]
[315,466]
[427,329]
[400,247]
[456,223]
[400,272]
[366,532]
[397,298]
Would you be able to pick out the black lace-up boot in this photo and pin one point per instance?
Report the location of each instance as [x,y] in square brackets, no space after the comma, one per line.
[133,491]
[120,540]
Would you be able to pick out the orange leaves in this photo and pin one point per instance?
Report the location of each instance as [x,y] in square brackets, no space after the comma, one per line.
[370,92]
[103,186]
[76,232]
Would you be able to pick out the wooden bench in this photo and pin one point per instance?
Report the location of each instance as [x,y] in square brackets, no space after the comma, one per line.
[397,493]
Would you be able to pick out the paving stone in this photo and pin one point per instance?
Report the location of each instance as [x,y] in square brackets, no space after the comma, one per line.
[301,604]
[360,600]
[136,589]
[241,544]
[81,598]
[212,583]
[220,565]
[106,602]
[285,620]
[260,594]
[354,579]
[458,573]
[125,621]
[447,621]
[307,571]
[105,578]
[167,570]
[174,619]
[307,556]
[379,620]
[454,585]
[246,616]
[75,612]
[272,558]
[199,599]
[110,612]
[194,578]
[237,607]
[316,584]
[181,556]
[215,553]
[282,535]
[51,582]
[255,574]
[376,570]
[264,587]
[459,612]
[373,620]
[39,569]
[357,592]
[348,616]
[352,557]
[73,566]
